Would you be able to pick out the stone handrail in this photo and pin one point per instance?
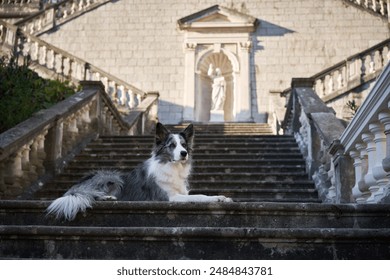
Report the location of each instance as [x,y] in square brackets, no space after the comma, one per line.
[36,149]
[56,14]
[365,147]
[59,63]
[315,127]
[378,7]
[354,71]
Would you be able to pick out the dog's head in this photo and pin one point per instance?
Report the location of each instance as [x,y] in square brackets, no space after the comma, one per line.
[170,147]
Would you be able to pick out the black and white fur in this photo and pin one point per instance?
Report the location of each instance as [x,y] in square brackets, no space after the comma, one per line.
[163,177]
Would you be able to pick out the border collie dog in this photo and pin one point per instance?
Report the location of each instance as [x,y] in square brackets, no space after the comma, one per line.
[163,177]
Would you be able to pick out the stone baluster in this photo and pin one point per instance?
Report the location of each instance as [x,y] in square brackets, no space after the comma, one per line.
[330,84]
[369,179]
[113,92]
[384,118]
[73,8]
[331,196]
[123,97]
[64,12]
[139,98]
[81,4]
[26,166]
[378,59]
[340,78]
[50,59]
[34,51]
[380,175]
[34,160]
[41,152]
[374,5]
[56,63]
[364,192]
[104,121]
[357,163]
[14,173]
[71,132]
[43,55]
[71,70]
[131,99]
[388,9]
[382,9]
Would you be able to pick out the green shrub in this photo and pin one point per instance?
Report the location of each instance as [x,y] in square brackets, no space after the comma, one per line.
[23,92]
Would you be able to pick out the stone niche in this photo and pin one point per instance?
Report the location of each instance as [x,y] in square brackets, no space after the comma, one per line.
[220,37]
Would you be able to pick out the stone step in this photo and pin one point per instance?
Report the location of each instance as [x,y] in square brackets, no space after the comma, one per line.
[195,156]
[64,242]
[226,128]
[171,214]
[263,195]
[109,163]
[242,193]
[201,139]
[199,150]
[198,169]
[217,176]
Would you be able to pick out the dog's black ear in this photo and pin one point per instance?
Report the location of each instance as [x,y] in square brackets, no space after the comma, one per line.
[161,133]
[188,134]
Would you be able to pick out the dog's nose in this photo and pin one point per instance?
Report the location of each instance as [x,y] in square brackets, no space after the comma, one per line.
[183,154]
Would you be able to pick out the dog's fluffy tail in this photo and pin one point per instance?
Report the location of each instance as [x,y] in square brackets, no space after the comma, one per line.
[69,205]
[100,185]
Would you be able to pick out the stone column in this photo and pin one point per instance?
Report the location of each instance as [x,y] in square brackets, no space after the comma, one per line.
[243,108]
[189,82]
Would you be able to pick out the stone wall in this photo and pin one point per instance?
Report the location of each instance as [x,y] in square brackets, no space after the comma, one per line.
[138,41]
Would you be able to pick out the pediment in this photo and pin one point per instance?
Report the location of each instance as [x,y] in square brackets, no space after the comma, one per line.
[218,18]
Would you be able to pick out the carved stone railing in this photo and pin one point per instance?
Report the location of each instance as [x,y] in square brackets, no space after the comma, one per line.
[353,72]
[315,127]
[16,9]
[365,144]
[53,62]
[57,14]
[36,149]
[378,7]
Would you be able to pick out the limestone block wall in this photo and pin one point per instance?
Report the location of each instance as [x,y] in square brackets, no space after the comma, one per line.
[138,41]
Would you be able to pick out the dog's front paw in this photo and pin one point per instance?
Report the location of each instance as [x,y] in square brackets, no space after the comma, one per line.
[222,198]
[108,198]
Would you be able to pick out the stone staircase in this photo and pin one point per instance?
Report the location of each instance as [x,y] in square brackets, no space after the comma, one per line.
[276,213]
[242,161]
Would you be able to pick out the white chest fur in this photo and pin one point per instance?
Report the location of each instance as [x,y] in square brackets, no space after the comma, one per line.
[171,176]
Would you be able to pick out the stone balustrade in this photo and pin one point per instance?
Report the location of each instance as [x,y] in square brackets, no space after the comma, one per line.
[17,2]
[366,143]
[51,61]
[315,127]
[56,14]
[36,149]
[380,7]
[351,164]
[351,73]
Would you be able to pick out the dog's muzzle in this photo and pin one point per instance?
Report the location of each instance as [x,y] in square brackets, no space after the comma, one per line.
[183,155]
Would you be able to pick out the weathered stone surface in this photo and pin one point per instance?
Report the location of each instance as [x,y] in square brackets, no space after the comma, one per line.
[140,43]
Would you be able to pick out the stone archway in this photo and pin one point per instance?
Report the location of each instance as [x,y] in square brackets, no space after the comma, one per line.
[220,35]
[203,86]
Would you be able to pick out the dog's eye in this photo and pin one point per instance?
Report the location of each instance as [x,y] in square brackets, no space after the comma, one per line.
[172,145]
[184,145]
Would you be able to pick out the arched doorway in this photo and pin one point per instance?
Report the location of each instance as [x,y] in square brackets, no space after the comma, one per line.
[203,86]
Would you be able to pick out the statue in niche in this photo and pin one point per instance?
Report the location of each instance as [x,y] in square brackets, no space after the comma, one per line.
[218,88]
